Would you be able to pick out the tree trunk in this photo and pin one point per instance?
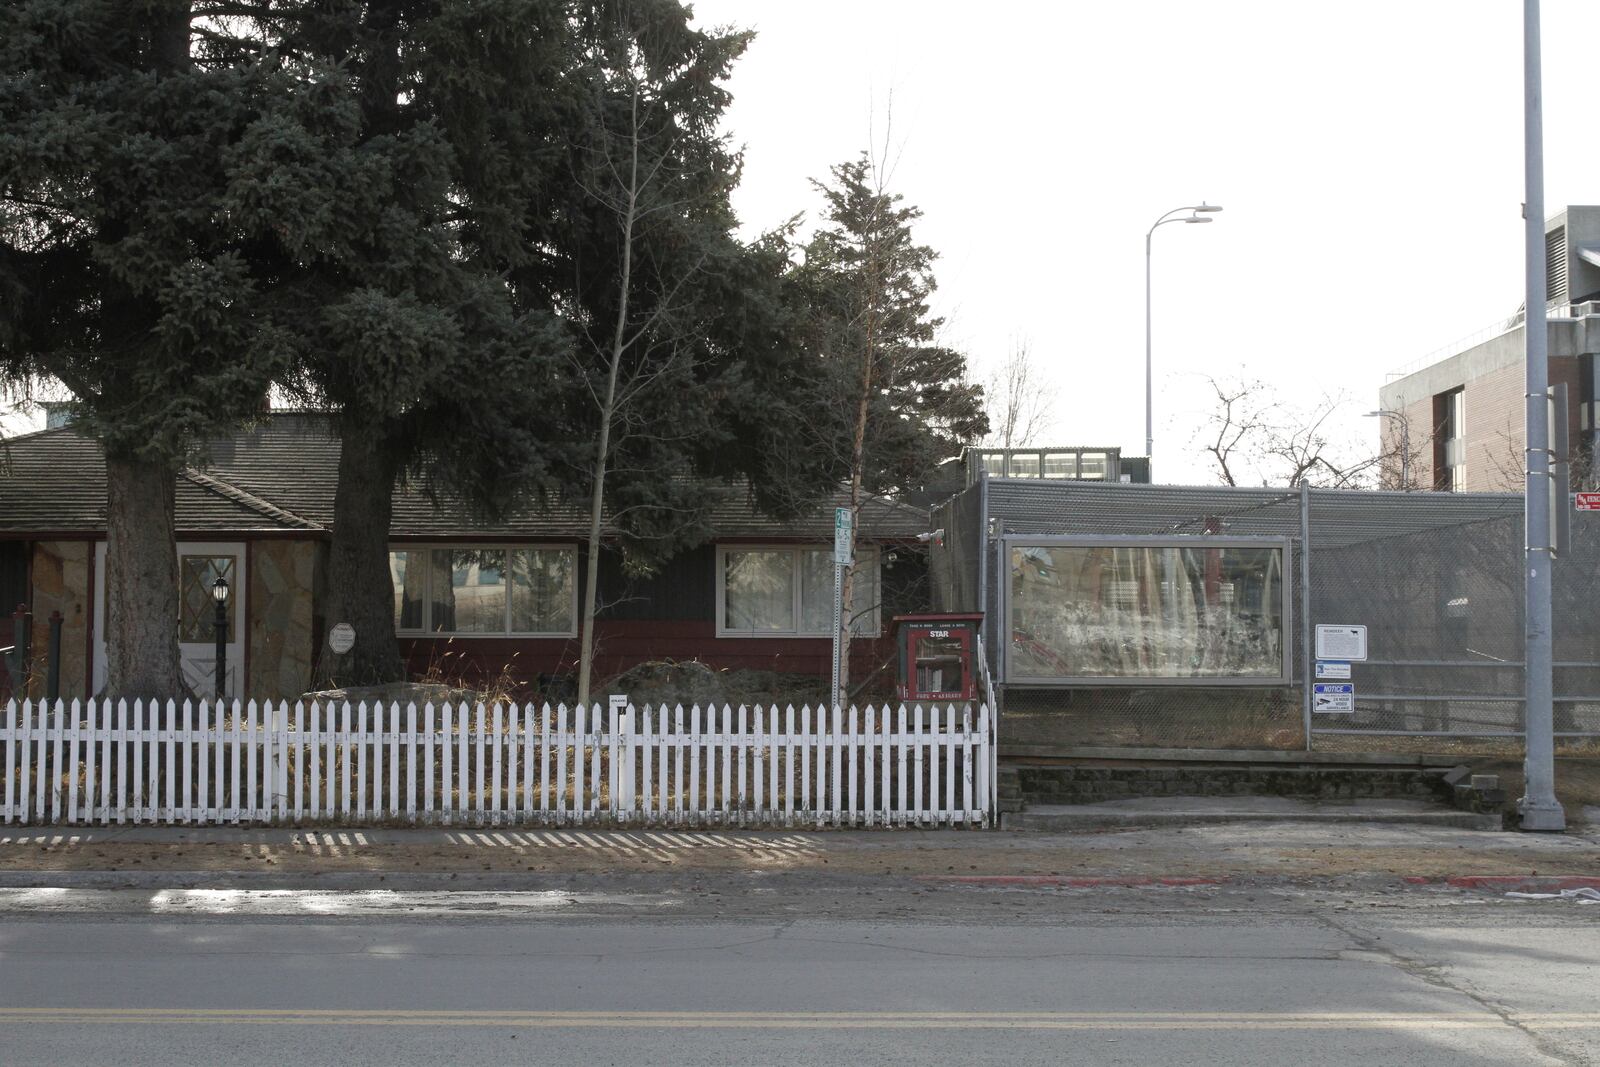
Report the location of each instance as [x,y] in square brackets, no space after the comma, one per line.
[360,589]
[141,580]
[608,412]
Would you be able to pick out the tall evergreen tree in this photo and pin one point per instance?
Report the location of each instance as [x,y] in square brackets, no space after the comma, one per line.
[902,400]
[412,339]
[127,269]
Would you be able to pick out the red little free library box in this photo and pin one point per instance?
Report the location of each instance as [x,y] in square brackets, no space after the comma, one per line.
[937,654]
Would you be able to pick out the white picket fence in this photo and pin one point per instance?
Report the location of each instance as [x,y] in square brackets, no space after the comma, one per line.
[195,763]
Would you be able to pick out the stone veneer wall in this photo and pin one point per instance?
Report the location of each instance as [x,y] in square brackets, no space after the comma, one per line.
[61,571]
[282,593]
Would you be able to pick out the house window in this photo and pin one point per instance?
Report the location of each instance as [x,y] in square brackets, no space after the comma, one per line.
[787,591]
[483,590]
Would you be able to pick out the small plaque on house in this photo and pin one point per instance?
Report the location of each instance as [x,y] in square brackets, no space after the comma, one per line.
[342,638]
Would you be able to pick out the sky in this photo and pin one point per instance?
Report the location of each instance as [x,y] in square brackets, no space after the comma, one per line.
[1367,154]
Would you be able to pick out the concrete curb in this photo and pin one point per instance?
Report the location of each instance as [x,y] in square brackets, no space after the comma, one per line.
[1512,883]
[1066,821]
[1066,881]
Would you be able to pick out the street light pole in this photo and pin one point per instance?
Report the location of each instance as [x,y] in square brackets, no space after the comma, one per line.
[1539,807]
[1199,213]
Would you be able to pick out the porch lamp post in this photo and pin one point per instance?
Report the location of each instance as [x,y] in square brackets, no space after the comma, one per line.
[219,593]
[1405,442]
[1199,213]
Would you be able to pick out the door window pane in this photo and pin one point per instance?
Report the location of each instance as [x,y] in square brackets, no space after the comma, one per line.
[542,590]
[758,591]
[197,611]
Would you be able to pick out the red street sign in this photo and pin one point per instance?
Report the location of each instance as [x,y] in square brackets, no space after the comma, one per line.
[1586,501]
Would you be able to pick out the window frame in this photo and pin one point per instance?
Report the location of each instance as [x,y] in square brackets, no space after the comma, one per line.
[485,546]
[1283,679]
[863,551]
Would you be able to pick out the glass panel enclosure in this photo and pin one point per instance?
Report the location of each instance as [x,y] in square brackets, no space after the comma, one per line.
[1146,612]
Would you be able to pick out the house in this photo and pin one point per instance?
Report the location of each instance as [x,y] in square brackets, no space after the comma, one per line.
[474,602]
[1456,415]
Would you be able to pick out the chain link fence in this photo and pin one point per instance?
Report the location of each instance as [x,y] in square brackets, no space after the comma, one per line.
[1436,579]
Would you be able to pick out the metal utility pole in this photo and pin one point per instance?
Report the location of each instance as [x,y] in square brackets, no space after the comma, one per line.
[1539,807]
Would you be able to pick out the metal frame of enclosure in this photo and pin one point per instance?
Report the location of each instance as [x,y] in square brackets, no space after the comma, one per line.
[1436,578]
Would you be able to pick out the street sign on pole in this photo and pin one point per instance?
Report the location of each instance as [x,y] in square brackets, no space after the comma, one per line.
[843,520]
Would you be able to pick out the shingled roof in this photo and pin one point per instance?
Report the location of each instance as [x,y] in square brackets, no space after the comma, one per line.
[280,475]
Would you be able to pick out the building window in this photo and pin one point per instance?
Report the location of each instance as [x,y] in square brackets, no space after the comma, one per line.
[1060,465]
[484,590]
[1024,465]
[995,464]
[787,591]
[1094,467]
[1450,448]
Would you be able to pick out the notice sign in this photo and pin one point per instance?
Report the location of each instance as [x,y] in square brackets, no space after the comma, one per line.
[1330,668]
[1342,642]
[1333,696]
[842,521]
[1586,501]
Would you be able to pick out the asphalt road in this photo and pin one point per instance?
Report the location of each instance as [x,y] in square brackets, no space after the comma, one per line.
[582,976]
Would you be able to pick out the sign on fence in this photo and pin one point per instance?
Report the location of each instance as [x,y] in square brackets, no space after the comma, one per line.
[1333,696]
[1341,642]
[501,765]
[1586,501]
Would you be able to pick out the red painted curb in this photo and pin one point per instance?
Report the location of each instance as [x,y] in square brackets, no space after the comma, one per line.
[1543,883]
[1077,882]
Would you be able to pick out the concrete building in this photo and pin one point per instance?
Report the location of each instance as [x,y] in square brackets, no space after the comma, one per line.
[1453,420]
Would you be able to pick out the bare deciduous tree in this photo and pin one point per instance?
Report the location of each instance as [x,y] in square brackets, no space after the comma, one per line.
[1252,435]
[1018,403]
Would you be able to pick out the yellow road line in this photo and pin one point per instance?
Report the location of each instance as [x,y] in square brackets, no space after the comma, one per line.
[800,1020]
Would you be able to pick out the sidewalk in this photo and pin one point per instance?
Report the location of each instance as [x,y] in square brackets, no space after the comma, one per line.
[1284,850]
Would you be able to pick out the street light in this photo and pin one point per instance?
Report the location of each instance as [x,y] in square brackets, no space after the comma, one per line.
[1199,213]
[219,593]
[1405,443]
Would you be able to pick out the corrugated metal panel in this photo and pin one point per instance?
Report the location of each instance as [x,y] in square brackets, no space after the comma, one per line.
[1338,517]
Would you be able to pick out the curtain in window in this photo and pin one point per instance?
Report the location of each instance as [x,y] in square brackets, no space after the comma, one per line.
[758,591]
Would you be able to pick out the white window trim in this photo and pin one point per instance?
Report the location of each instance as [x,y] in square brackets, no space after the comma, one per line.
[866,555]
[461,546]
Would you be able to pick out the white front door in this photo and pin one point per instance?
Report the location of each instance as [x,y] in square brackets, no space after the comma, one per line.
[200,564]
